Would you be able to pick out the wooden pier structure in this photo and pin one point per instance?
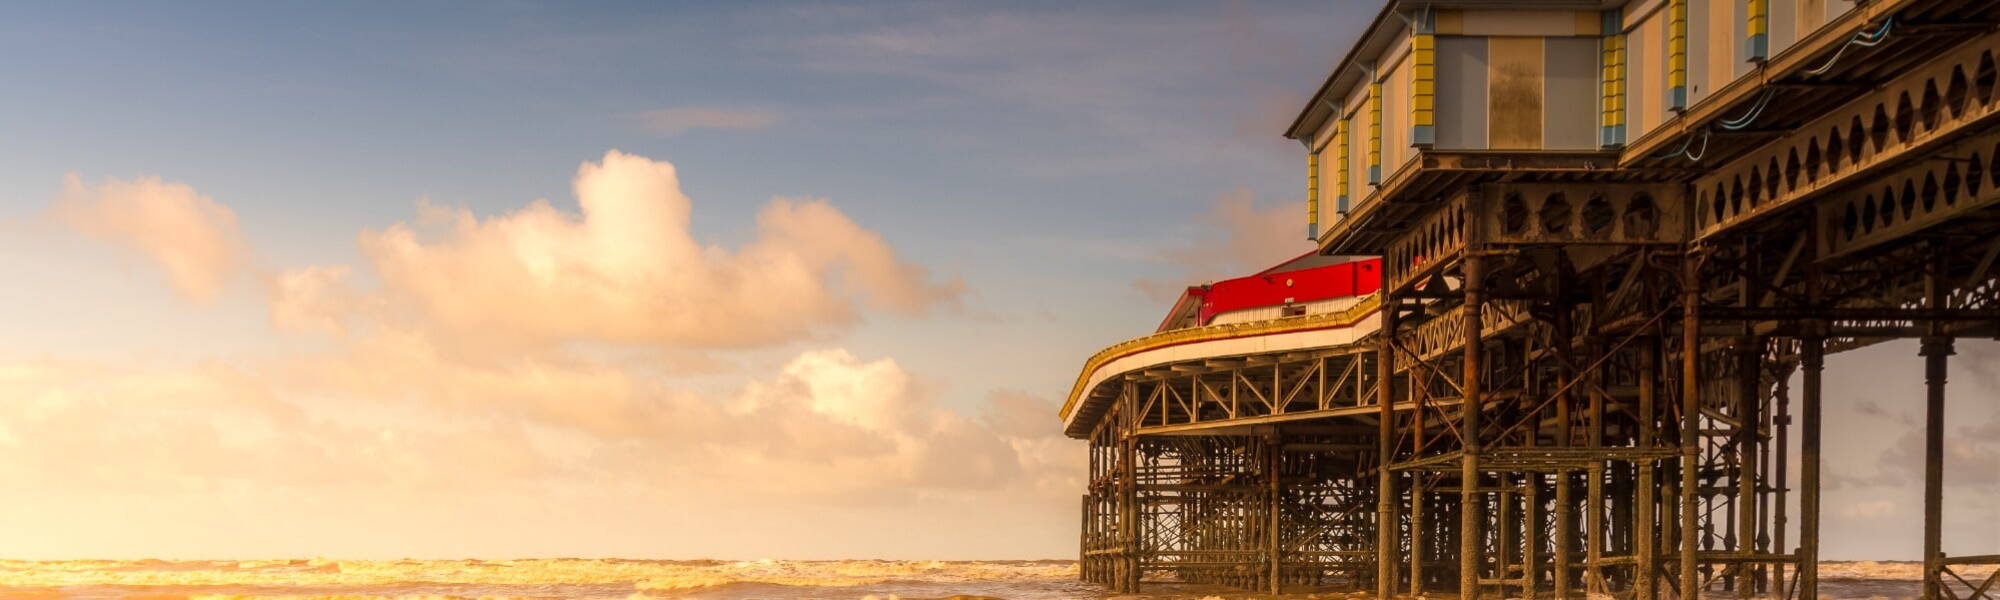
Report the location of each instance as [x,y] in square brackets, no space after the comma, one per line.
[1611,235]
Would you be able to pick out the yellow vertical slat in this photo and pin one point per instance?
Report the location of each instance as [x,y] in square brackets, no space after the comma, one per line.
[1375,132]
[1677,36]
[1423,83]
[1312,194]
[1340,177]
[1759,26]
[1611,58]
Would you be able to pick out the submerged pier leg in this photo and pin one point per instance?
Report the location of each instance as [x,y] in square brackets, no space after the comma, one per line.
[1936,351]
[1812,361]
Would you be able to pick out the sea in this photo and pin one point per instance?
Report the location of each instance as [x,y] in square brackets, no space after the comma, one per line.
[617,579]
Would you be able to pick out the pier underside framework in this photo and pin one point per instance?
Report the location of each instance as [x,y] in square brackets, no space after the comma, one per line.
[1583,381]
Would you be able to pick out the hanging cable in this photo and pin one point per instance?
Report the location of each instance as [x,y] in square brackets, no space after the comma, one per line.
[1756,109]
[1862,39]
[1696,156]
[1677,151]
[1684,149]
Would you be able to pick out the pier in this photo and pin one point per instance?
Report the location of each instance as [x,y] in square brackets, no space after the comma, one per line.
[1596,254]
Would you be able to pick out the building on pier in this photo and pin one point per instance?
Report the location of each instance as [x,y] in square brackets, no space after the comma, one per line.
[1608,235]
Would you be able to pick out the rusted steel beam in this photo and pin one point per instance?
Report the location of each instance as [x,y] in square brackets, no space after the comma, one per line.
[1690,411]
[1385,449]
[1531,560]
[1782,421]
[1471,539]
[1812,362]
[1748,395]
[1593,546]
[1420,508]
[1565,371]
[1645,565]
[1565,546]
[1937,351]
[1128,503]
[1503,525]
[1273,537]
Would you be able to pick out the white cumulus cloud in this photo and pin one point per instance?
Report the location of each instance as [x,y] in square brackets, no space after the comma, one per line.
[627,269]
[195,239]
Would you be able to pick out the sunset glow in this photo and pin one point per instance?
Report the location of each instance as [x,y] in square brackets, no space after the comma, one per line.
[734,300]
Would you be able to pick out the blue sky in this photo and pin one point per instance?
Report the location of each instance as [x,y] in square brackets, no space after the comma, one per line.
[1059,165]
[1041,152]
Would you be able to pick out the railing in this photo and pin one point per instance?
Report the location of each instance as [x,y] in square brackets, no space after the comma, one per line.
[1343,318]
[1910,117]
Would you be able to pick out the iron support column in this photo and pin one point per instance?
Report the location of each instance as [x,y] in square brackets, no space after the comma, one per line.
[1531,560]
[1783,423]
[1419,539]
[1128,510]
[1565,481]
[1274,451]
[1812,361]
[1643,564]
[1749,361]
[1936,351]
[1565,551]
[1385,450]
[1471,536]
[1690,410]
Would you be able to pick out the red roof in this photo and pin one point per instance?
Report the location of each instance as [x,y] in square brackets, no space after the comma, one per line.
[1307,278]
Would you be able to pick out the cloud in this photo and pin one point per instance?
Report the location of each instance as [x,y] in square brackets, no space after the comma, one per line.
[833,455]
[312,299]
[628,270]
[669,122]
[514,362]
[826,427]
[1896,427]
[1239,236]
[195,239]
[1871,509]
[132,429]
[1971,454]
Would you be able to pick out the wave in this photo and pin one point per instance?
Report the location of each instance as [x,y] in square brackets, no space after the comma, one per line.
[611,578]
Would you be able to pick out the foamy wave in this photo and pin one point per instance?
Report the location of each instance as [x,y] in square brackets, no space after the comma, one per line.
[852,573]
[637,577]
[1895,570]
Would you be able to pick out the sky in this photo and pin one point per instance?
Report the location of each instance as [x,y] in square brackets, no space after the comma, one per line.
[678,280]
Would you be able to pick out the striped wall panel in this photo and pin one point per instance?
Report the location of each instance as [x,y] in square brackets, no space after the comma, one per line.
[1611,79]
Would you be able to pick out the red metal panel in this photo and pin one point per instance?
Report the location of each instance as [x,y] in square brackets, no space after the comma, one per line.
[1355,278]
